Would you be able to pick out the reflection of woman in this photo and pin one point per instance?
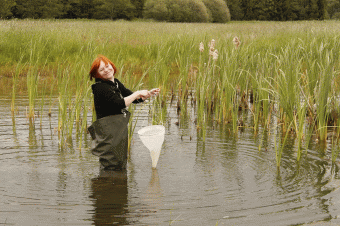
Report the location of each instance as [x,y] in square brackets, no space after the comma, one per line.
[110,198]
[110,100]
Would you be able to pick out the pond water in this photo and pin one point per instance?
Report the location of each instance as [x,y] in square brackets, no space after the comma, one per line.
[225,180]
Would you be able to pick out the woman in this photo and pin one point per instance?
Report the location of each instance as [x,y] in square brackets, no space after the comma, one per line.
[111,98]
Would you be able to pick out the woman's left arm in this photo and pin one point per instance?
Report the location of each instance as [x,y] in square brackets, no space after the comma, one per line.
[144,94]
[126,92]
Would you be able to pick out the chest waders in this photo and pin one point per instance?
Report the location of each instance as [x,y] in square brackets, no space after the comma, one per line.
[110,136]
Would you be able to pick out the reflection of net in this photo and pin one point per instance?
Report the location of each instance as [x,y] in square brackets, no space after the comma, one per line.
[153,137]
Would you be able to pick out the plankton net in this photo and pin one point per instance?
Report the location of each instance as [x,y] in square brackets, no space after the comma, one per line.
[153,138]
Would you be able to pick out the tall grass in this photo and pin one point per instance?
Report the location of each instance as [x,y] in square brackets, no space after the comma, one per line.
[284,70]
[15,79]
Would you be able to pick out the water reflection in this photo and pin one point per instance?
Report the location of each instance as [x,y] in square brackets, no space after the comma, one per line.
[32,139]
[153,195]
[109,194]
[110,197]
[15,136]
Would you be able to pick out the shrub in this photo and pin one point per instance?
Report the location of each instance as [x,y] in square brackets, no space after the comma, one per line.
[218,11]
[176,10]
[115,9]
[155,9]
[188,11]
[5,9]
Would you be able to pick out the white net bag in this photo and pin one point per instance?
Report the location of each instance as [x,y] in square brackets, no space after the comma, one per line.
[153,138]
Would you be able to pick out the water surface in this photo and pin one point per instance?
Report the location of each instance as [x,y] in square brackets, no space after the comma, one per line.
[225,180]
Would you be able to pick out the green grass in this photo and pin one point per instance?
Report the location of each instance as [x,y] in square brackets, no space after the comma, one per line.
[278,64]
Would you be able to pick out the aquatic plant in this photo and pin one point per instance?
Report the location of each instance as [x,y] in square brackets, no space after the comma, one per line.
[299,123]
[15,77]
[335,151]
[284,74]
[32,82]
[280,147]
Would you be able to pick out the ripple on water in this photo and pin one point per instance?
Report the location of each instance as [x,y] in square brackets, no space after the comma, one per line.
[224,180]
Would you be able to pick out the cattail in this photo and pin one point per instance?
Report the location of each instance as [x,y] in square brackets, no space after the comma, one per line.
[201,47]
[212,43]
[215,55]
[211,47]
[211,52]
[236,42]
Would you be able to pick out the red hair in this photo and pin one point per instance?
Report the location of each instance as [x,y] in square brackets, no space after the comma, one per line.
[96,64]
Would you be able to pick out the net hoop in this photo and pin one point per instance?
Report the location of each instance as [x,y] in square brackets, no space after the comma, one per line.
[152,130]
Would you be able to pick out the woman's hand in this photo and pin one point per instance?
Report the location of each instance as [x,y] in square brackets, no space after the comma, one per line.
[154,92]
[144,94]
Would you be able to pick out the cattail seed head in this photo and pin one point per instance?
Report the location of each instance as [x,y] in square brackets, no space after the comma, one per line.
[201,47]
[212,43]
[236,42]
[211,52]
[215,55]
[211,47]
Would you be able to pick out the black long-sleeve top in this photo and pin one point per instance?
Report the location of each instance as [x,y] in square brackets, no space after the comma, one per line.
[109,97]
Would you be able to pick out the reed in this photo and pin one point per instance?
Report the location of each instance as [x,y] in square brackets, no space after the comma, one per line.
[15,78]
[32,82]
[269,70]
[299,122]
[335,151]
[280,147]
[42,103]
[63,102]
[323,102]
[87,103]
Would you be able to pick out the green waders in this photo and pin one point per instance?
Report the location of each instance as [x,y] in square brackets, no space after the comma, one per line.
[110,136]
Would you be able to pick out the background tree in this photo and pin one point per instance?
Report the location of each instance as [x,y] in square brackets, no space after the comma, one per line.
[51,9]
[79,8]
[288,10]
[296,10]
[322,9]
[313,10]
[27,9]
[198,11]
[303,9]
[155,9]
[6,8]
[176,10]
[218,10]
[114,9]
[270,9]
[187,11]
[235,9]
[139,6]
[259,11]
[333,9]
[247,8]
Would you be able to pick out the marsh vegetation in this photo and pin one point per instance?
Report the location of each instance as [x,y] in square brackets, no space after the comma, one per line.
[280,78]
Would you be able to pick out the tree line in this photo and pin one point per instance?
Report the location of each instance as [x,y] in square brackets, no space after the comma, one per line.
[173,10]
[281,10]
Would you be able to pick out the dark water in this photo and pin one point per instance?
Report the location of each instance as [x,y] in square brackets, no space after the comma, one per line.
[224,181]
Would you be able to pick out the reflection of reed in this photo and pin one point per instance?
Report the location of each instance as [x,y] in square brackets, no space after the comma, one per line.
[109,194]
[32,139]
[14,131]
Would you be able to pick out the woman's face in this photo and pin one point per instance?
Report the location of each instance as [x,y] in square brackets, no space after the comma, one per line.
[105,71]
